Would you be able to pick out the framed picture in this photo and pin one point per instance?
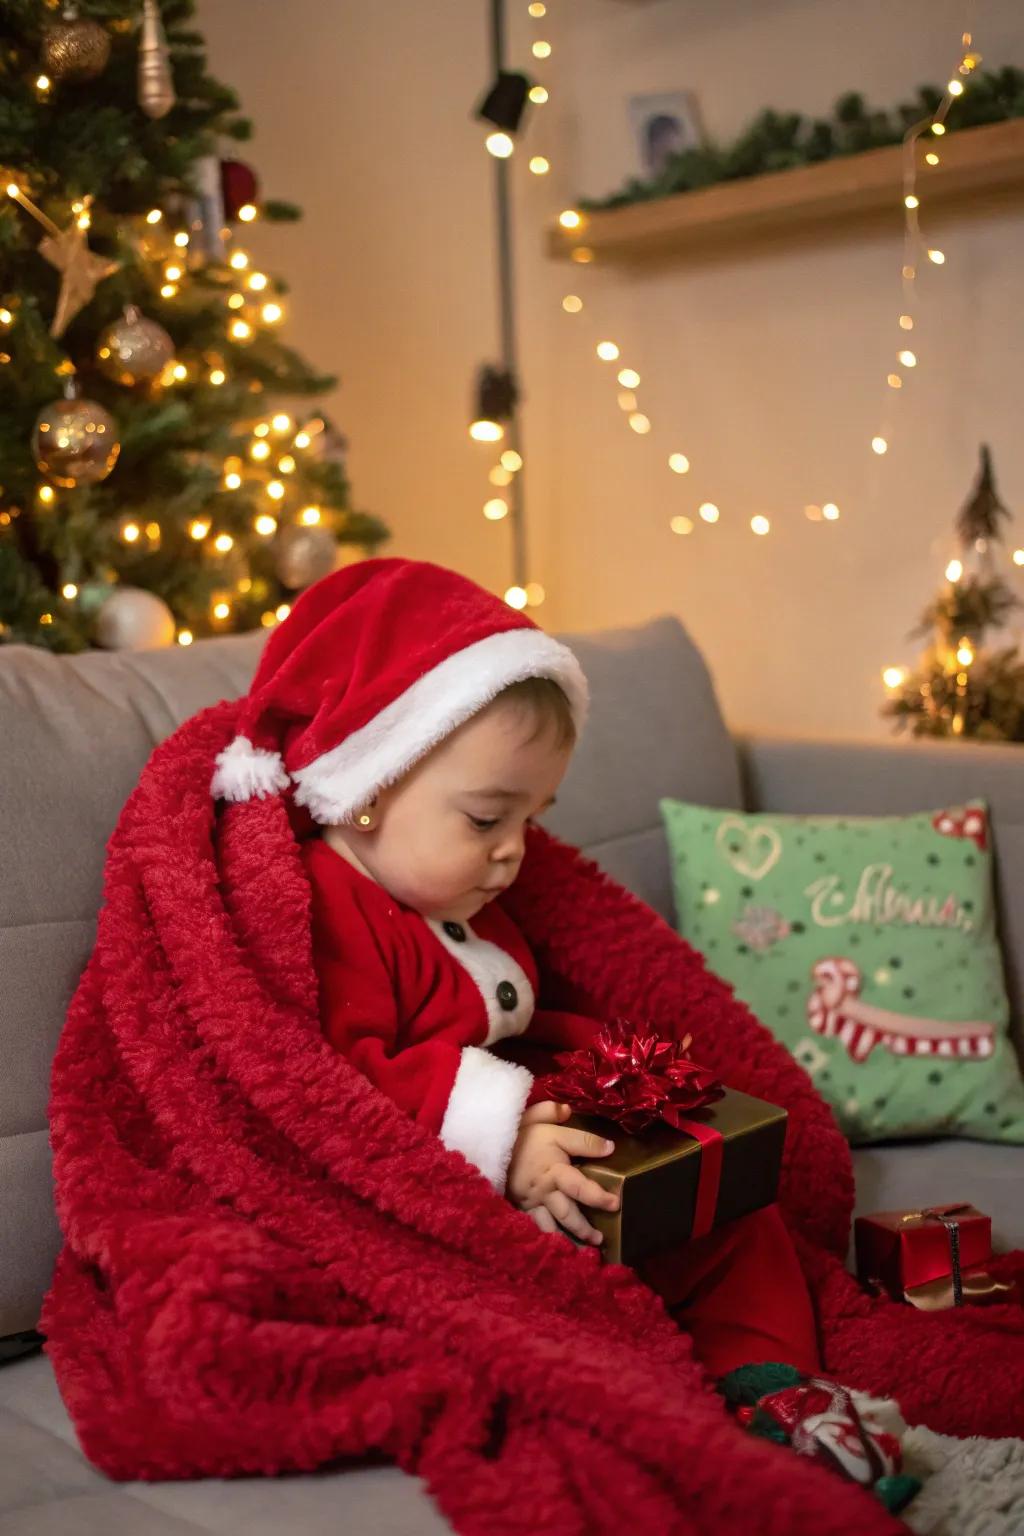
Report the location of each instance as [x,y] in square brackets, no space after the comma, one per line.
[664,124]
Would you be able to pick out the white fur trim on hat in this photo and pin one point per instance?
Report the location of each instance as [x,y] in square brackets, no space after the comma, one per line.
[244,771]
[484,1110]
[335,784]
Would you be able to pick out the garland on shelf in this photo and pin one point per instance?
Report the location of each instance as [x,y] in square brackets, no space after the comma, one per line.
[779,141]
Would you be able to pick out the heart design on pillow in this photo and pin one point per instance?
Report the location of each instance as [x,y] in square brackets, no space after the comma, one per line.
[758,850]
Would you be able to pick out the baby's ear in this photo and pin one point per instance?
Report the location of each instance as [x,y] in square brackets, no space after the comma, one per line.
[368,816]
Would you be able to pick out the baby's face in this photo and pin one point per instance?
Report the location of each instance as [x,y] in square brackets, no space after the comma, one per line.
[450,836]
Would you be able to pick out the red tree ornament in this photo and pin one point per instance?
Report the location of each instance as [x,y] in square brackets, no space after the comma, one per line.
[238,187]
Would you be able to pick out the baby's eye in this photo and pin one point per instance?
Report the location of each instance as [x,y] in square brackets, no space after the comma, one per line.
[481,824]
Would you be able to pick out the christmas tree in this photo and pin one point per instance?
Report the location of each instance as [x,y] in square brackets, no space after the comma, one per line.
[962,686]
[156,480]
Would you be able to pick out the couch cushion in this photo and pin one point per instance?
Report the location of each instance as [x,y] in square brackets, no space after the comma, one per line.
[47,1487]
[78,731]
[655,723]
[29,1235]
[76,734]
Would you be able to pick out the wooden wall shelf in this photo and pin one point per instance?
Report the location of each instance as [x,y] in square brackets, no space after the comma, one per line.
[973,162]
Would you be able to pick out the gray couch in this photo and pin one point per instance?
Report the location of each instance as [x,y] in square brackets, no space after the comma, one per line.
[74,734]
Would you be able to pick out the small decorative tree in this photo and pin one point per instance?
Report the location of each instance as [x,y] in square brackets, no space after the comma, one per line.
[963,687]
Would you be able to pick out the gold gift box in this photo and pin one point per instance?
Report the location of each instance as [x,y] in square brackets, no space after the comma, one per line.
[656,1173]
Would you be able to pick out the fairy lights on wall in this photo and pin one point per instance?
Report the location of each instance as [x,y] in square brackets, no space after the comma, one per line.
[485,427]
[921,153]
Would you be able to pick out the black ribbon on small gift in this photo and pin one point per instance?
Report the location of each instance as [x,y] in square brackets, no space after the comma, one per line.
[947,1214]
[953,1228]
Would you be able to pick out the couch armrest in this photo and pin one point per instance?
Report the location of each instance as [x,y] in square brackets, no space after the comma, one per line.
[892,778]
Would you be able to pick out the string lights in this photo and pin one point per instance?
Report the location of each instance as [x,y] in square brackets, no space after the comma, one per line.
[916,251]
[496,417]
[573,225]
[270,446]
[915,248]
[628,379]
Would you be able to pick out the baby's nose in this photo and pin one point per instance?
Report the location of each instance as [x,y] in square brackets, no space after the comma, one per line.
[510,850]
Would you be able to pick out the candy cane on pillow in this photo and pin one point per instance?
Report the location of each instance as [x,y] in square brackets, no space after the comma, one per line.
[836,1009]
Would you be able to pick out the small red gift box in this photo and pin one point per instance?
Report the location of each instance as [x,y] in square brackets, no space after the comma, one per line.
[934,1257]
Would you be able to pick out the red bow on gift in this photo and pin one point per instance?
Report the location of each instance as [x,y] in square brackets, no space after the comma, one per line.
[630,1075]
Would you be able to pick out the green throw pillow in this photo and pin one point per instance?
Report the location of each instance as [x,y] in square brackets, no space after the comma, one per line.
[867,945]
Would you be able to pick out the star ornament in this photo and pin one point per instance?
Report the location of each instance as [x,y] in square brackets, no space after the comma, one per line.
[81,271]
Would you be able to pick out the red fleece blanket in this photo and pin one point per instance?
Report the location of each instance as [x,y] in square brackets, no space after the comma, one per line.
[267,1265]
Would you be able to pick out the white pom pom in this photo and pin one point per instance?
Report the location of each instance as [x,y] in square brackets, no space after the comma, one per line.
[244,771]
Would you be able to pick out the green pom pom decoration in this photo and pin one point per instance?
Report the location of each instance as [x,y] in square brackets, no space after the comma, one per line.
[747,1384]
[897,1492]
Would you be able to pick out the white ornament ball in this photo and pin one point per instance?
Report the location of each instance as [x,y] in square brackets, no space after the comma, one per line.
[134,620]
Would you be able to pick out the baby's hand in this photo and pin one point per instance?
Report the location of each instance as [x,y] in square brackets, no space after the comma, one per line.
[541,1175]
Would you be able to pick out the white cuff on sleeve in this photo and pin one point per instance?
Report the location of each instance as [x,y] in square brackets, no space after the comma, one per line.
[482,1119]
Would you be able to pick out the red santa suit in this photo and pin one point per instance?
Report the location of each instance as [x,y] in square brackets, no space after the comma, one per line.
[415,1003]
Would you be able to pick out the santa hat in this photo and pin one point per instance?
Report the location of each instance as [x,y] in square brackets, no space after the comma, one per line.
[374,666]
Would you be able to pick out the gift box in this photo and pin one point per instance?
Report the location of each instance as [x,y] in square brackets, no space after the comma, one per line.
[934,1257]
[678,1183]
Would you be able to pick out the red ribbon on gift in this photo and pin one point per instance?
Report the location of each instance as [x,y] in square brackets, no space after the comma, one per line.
[630,1075]
[709,1178]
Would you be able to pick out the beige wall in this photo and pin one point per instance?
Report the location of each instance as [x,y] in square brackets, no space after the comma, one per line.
[766,366]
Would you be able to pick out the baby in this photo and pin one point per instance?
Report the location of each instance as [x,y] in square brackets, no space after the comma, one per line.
[443,843]
[418,726]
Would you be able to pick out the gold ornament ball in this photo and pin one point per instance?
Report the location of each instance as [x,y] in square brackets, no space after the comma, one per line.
[75,442]
[304,555]
[134,349]
[134,620]
[75,49]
